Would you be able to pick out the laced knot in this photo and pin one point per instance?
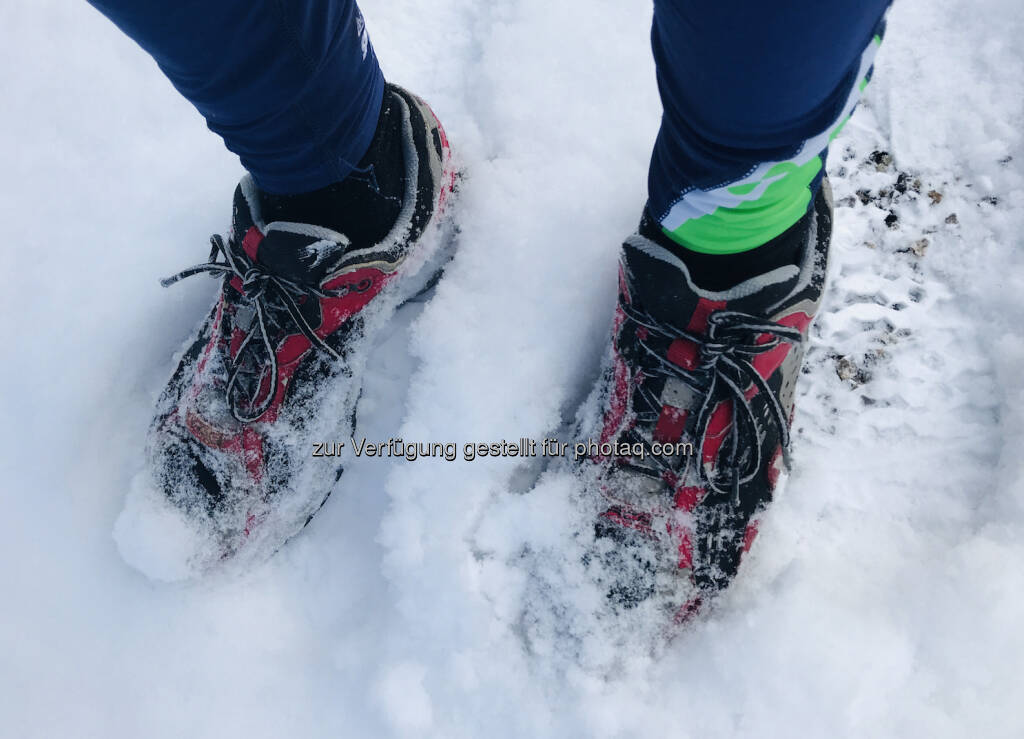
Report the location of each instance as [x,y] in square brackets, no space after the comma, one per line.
[268,296]
[723,371]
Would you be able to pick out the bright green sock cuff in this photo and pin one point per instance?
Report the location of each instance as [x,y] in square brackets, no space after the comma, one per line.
[746,215]
[752,223]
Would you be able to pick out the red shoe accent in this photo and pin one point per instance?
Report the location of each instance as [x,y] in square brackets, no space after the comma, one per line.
[767,363]
[685,550]
[683,352]
[688,497]
[632,519]
[252,453]
[671,423]
[688,610]
[699,320]
[749,535]
[250,245]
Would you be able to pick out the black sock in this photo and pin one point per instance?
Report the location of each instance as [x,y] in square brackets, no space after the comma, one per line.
[717,272]
[365,205]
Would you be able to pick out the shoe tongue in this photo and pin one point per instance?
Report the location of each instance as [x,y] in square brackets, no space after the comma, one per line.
[300,253]
[660,282]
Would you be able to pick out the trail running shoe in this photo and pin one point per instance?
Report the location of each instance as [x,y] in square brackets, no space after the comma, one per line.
[276,366]
[691,418]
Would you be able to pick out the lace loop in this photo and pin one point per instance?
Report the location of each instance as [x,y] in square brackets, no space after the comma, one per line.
[724,370]
[264,291]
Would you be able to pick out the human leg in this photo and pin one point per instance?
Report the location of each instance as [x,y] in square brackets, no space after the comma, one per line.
[338,222]
[717,290]
[293,88]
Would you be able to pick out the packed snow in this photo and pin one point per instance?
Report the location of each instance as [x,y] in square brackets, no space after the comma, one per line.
[885,592]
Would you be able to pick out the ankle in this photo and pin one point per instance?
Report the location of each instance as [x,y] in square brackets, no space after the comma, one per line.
[719,272]
[365,205]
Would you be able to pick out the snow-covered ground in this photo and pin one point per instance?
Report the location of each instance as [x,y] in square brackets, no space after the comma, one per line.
[886,592]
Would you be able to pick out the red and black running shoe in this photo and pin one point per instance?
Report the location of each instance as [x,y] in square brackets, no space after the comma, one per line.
[277,364]
[694,409]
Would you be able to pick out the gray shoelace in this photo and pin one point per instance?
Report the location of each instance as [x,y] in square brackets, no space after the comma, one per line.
[259,287]
[724,371]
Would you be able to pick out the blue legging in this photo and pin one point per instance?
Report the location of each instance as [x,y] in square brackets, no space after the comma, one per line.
[748,88]
[752,93]
[292,86]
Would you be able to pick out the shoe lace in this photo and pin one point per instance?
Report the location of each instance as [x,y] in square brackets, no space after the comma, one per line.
[259,289]
[724,368]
